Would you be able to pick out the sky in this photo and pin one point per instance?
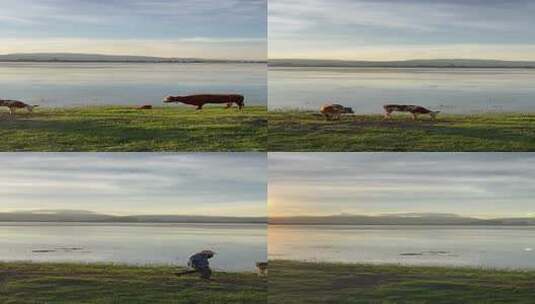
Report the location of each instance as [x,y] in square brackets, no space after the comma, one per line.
[402,29]
[483,185]
[211,184]
[229,29]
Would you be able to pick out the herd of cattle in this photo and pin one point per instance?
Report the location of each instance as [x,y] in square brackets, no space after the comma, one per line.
[335,111]
[195,100]
[329,111]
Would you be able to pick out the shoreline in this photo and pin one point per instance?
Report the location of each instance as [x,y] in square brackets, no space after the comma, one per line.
[125,129]
[108,283]
[302,131]
[296,282]
[401,266]
[103,265]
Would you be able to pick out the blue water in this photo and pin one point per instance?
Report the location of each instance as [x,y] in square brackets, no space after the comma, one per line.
[75,84]
[238,246]
[367,89]
[477,246]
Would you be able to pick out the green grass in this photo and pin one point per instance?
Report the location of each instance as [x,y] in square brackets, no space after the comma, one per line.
[29,283]
[127,129]
[293,282]
[308,131]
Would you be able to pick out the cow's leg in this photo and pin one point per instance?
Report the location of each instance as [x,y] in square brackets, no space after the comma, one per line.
[229,105]
[12,111]
[414,116]
[199,107]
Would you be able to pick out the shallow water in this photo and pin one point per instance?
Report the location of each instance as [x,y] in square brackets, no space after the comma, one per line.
[76,84]
[480,246]
[368,89]
[238,246]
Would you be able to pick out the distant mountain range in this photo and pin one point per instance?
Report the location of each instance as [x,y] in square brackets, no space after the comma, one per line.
[398,219]
[88,216]
[433,63]
[74,57]
[343,219]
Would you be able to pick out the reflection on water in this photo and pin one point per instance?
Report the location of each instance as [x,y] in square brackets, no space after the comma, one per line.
[486,246]
[63,84]
[367,89]
[238,246]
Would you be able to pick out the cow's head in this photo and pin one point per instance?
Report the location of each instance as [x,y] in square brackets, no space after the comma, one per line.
[434,114]
[348,110]
[240,104]
[30,108]
[169,99]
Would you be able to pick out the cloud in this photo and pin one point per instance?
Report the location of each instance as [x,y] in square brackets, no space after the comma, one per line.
[357,50]
[233,29]
[432,15]
[198,47]
[134,183]
[478,184]
[91,12]
[334,29]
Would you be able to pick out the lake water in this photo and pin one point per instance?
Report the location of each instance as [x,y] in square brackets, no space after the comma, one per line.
[74,84]
[368,89]
[238,246]
[492,247]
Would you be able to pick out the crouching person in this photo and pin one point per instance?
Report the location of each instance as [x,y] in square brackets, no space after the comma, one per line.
[200,264]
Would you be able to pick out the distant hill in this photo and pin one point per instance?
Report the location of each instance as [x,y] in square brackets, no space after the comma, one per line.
[434,63]
[88,216]
[74,57]
[398,219]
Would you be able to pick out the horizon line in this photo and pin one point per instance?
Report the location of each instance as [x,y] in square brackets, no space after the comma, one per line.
[132,55]
[401,214]
[398,60]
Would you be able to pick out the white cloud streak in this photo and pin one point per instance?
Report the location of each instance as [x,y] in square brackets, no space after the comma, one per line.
[477,184]
[135,183]
[198,47]
[397,30]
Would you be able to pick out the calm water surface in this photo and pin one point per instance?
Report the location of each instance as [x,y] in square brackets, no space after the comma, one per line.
[75,84]
[238,246]
[481,246]
[367,89]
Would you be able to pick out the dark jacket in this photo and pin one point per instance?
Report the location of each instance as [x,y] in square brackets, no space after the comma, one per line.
[199,261]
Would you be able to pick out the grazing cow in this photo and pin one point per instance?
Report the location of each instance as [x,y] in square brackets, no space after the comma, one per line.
[414,110]
[334,111]
[13,105]
[262,268]
[145,107]
[200,100]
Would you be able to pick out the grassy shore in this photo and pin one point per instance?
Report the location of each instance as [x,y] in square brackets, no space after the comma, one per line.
[127,129]
[300,282]
[308,131]
[29,283]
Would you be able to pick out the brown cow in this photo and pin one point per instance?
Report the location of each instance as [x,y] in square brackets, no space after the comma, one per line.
[13,105]
[334,111]
[200,100]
